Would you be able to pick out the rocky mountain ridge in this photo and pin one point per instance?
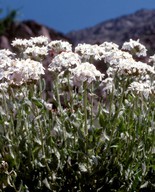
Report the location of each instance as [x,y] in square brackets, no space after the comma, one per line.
[139,25]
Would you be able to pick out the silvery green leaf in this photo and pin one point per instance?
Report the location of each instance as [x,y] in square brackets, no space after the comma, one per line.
[82,167]
[45,181]
[144,185]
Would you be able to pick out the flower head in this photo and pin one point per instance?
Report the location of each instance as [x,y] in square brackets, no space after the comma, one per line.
[36,51]
[21,43]
[109,46]
[58,46]
[85,72]
[5,61]
[28,43]
[39,41]
[131,67]
[89,52]
[64,61]
[141,88]
[6,53]
[114,57]
[22,71]
[135,48]
[152,60]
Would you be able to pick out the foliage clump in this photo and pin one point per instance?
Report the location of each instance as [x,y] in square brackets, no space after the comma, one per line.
[7,20]
[91,131]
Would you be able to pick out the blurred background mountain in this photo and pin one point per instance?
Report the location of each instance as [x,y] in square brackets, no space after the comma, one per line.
[10,29]
[139,25]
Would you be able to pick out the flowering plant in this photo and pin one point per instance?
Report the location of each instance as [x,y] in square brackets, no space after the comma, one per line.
[88,131]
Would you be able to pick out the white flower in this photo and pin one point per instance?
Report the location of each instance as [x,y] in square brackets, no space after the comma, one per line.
[143,88]
[36,51]
[48,106]
[58,46]
[22,71]
[5,53]
[134,47]
[89,52]
[128,66]
[64,61]
[5,62]
[5,57]
[114,57]
[20,95]
[6,123]
[152,60]
[131,67]
[85,72]
[33,41]
[21,43]
[109,46]
[39,41]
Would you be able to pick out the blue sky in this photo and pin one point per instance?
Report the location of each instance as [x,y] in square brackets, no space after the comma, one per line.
[69,15]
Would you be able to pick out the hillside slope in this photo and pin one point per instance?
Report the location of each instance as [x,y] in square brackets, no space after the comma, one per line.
[140,25]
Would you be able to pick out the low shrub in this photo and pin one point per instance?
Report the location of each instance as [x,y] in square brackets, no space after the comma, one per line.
[90,132]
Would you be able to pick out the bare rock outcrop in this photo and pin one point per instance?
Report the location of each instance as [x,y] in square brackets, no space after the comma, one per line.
[27,29]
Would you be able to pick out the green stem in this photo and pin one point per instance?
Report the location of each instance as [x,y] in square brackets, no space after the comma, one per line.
[85,107]
[70,93]
[58,94]
[92,104]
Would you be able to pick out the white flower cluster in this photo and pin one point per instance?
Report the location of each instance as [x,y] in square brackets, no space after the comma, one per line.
[131,67]
[64,61]
[89,53]
[136,48]
[4,53]
[120,62]
[18,71]
[39,47]
[40,41]
[21,71]
[21,43]
[5,62]
[78,62]
[36,51]
[24,43]
[34,47]
[86,72]
[141,88]
[114,57]
[109,46]
[58,46]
